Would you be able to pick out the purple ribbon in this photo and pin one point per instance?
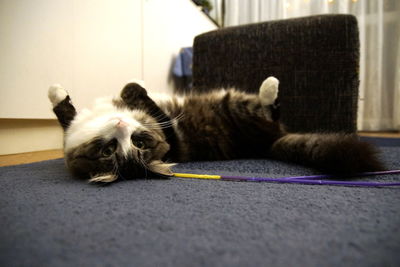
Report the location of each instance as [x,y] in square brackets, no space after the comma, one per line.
[316,179]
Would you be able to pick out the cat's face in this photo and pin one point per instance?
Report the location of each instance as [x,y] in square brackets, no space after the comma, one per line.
[112,141]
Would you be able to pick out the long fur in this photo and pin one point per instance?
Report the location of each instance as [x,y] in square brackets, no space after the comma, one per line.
[332,153]
[135,135]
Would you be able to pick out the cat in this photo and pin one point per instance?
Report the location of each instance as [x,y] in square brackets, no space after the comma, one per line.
[135,135]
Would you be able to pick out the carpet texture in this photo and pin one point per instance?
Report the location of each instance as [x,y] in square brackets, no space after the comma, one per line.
[49,219]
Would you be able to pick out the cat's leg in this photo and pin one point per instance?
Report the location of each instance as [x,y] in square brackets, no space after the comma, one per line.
[62,105]
[57,94]
[269,91]
[268,95]
[134,96]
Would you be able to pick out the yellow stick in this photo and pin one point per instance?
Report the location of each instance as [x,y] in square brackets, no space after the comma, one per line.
[197,176]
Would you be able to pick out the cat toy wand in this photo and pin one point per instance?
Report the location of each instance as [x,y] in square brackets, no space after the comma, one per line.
[309,179]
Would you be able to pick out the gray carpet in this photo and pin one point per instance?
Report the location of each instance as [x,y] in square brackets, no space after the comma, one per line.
[49,219]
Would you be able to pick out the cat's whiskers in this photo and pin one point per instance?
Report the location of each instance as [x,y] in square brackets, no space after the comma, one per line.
[144,164]
[116,171]
[165,124]
[159,123]
[156,113]
[158,127]
[177,118]
[145,173]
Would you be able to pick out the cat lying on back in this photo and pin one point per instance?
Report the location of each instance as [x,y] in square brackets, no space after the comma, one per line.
[135,136]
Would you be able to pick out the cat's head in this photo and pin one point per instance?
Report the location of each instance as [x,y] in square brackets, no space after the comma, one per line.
[117,138]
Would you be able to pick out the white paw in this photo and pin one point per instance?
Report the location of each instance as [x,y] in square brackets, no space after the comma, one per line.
[105,178]
[269,91]
[57,94]
[138,81]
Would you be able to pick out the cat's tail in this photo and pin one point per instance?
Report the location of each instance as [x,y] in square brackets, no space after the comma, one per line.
[331,153]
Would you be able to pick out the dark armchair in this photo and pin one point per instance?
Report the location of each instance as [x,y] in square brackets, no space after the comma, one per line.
[315,58]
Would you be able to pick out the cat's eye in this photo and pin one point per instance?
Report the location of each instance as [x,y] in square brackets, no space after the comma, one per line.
[139,144]
[109,150]
[141,140]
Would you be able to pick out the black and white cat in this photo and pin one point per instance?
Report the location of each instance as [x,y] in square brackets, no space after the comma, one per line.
[134,135]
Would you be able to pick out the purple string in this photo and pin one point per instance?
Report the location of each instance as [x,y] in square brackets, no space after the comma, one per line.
[314,179]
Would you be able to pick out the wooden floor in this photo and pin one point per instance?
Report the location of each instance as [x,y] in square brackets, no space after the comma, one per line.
[380,134]
[15,159]
[22,158]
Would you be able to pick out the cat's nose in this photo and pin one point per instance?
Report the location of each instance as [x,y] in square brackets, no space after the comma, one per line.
[122,124]
[122,131]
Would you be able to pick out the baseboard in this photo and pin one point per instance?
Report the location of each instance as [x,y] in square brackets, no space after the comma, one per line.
[23,158]
[26,135]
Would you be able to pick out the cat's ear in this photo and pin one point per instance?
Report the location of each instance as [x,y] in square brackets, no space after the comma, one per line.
[159,167]
[62,105]
[103,178]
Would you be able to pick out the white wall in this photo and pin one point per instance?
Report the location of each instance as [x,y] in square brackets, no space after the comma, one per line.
[91,47]
[168,26]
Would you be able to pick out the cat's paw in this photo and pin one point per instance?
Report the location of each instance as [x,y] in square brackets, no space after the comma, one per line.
[269,91]
[103,178]
[137,81]
[57,94]
[133,91]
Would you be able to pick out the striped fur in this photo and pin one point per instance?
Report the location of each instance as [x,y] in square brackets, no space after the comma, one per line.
[332,153]
[135,135]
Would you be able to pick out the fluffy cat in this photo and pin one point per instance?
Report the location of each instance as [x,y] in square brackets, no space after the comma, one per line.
[134,135]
